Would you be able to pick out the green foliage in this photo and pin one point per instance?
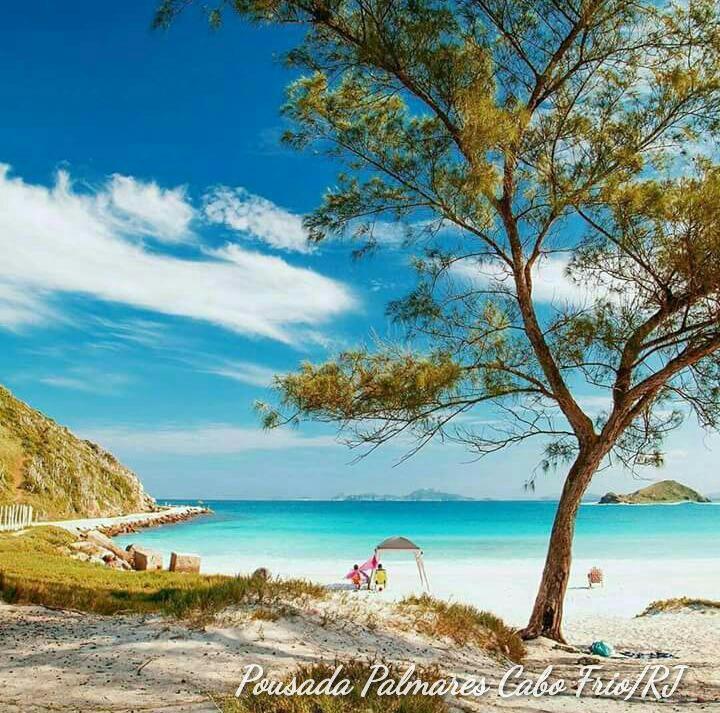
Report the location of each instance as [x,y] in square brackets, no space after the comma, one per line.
[465,625]
[512,138]
[35,569]
[360,385]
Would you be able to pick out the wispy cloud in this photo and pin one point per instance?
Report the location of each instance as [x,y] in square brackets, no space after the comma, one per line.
[256,218]
[56,240]
[208,439]
[595,404]
[145,208]
[19,308]
[90,381]
[144,332]
[551,282]
[245,372]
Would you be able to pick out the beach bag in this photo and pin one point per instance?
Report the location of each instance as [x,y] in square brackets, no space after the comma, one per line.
[601,648]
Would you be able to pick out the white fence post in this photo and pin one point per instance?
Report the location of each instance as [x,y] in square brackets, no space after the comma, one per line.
[15,517]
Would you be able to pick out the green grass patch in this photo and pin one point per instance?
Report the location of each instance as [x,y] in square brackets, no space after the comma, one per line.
[463,624]
[678,603]
[34,570]
[357,672]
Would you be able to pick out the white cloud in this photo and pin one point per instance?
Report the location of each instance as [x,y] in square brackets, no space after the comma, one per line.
[551,283]
[91,381]
[208,439]
[164,214]
[245,372]
[55,240]
[595,404]
[256,217]
[19,308]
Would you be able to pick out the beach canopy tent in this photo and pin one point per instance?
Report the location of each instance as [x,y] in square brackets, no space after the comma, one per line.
[402,544]
[393,544]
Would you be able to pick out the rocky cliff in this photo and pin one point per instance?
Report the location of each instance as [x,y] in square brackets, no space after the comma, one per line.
[44,465]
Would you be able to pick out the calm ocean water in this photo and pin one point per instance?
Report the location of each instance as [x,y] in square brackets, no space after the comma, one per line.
[347,531]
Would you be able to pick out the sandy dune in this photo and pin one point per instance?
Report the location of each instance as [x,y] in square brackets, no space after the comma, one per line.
[67,661]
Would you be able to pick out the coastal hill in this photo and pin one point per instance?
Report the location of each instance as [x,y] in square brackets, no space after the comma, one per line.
[666,491]
[44,465]
[424,494]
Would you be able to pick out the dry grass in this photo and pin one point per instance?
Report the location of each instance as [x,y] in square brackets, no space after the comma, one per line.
[33,570]
[357,672]
[463,624]
[670,605]
[265,614]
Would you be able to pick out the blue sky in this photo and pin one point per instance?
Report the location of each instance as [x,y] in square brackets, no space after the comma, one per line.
[155,273]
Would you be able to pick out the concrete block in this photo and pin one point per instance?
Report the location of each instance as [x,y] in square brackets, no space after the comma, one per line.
[145,559]
[184,563]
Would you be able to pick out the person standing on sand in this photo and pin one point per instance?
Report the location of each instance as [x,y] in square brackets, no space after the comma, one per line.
[380,578]
[356,577]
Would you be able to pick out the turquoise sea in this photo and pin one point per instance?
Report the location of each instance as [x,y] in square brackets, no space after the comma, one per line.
[262,531]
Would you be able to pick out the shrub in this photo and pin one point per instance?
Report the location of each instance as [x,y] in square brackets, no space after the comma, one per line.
[668,605]
[465,625]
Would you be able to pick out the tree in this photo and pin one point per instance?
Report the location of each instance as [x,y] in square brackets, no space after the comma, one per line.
[514,139]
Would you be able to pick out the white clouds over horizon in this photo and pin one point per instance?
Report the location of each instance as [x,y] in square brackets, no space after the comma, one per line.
[206,439]
[56,240]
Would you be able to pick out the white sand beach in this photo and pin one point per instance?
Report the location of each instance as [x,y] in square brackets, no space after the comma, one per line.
[73,661]
[66,661]
[507,587]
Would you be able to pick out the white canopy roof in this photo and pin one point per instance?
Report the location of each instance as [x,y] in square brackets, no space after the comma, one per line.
[397,543]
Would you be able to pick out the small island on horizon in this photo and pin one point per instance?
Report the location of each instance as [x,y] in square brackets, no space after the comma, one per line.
[422,494]
[663,492]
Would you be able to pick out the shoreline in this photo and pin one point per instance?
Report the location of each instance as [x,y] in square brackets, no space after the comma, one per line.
[131,523]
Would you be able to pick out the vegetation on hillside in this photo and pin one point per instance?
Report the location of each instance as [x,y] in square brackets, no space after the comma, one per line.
[666,491]
[35,569]
[44,465]
[463,624]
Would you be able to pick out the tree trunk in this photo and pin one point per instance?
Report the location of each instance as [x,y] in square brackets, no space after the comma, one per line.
[546,618]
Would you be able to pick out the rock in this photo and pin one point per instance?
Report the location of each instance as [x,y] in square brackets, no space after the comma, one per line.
[116,563]
[262,573]
[88,548]
[107,544]
[145,559]
[609,499]
[184,562]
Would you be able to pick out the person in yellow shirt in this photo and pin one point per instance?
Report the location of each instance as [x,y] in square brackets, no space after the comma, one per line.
[380,578]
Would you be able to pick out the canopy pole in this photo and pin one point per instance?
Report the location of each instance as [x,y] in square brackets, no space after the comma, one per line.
[421,570]
[422,565]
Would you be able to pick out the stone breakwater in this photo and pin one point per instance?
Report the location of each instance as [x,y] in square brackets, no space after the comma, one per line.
[93,536]
[153,520]
[130,523]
